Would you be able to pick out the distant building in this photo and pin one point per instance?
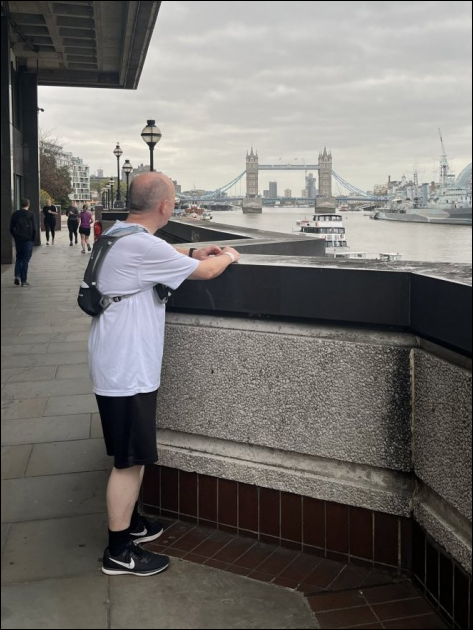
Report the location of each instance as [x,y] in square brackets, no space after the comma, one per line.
[100,173]
[139,170]
[304,194]
[273,190]
[266,194]
[311,186]
[288,193]
[178,187]
[80,176]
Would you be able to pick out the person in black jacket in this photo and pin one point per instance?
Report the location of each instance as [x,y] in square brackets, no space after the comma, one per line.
[23,230]
[50,213]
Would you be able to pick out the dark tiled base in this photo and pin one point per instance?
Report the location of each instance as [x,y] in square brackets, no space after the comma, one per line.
[341,595]
[333,531]
[337,547]
[442,581]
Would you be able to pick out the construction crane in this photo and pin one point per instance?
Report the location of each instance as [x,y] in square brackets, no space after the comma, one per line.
[444,166]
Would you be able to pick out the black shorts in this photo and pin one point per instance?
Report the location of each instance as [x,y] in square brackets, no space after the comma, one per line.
[129,428]
[84,231]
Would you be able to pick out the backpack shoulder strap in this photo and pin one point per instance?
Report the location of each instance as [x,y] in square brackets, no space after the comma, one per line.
[101,248]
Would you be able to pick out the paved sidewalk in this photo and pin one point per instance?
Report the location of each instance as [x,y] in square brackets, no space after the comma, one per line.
[54,473]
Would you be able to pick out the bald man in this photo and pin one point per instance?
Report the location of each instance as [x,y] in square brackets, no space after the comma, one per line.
[125,357]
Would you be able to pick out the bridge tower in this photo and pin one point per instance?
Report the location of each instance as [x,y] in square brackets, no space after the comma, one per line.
[252,174]
[253,204]
[325,174]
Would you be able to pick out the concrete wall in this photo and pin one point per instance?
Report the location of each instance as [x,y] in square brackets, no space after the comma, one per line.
[322,412]
[442,454]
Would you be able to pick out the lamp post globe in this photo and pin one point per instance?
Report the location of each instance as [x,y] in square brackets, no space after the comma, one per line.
[118,153]
[128,170]
[151,134]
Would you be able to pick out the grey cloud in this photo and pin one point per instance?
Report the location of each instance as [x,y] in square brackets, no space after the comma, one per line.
[372,80]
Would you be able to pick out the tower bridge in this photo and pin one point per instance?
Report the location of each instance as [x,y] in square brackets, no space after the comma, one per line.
[326,176]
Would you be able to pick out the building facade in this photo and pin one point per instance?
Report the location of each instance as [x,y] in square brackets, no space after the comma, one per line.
[273,190]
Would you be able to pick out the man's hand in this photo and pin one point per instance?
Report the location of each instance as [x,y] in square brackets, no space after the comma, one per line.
[230,250]
[207,252]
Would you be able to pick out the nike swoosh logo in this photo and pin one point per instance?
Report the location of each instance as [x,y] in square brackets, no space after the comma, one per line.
[143,533]
[127,565]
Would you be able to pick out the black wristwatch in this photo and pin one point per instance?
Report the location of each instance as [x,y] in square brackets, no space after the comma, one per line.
[191,252]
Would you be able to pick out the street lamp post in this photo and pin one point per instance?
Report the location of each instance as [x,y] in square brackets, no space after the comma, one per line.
[111,184]
[151,135]
[128,170]
[118,153]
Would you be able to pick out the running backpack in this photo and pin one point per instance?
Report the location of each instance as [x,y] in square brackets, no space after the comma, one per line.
[23,228]
[90,299]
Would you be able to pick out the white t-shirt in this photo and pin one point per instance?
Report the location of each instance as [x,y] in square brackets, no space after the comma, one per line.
[126,342]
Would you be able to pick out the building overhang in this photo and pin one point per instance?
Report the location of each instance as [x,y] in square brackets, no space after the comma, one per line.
[82,44]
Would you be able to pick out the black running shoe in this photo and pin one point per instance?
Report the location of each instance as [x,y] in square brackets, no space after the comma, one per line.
[146,531]
[16,282]
[89,248]
[134,561]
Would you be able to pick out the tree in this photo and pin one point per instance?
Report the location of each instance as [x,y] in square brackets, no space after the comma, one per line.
[55,171]
[43,198]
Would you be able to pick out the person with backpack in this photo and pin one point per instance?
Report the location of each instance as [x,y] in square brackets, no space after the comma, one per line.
[125,355]
[23,230]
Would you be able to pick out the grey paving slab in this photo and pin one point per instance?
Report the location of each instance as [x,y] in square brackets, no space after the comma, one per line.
[31,408]
[78,336]
[193,596]
[39,360]
[47,388]
[8,351]
[55,496]
[71,603]
[96,427]
[5,530]
[54,548]
[76,346]
[64,405]
[72,371]
[15,460]
[60,328]
[25,340]
[39,430]
[21,375]
[11,332]
[60,458]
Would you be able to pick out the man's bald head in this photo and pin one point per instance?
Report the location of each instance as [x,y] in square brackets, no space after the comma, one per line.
[149,191]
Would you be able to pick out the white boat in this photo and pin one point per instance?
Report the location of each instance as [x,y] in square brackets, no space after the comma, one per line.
[328,226]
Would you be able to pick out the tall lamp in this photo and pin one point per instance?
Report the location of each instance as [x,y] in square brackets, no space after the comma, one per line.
[151,134]
[118,153]
[128,170]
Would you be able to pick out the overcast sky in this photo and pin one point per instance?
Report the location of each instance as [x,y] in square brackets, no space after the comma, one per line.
[371,80]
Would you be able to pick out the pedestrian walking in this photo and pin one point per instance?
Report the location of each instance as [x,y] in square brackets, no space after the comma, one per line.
[73,223]
[86,222]
[23,230]
[50,213]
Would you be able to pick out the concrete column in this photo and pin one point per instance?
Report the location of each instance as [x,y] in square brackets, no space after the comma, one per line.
[28,88]
[7,191]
